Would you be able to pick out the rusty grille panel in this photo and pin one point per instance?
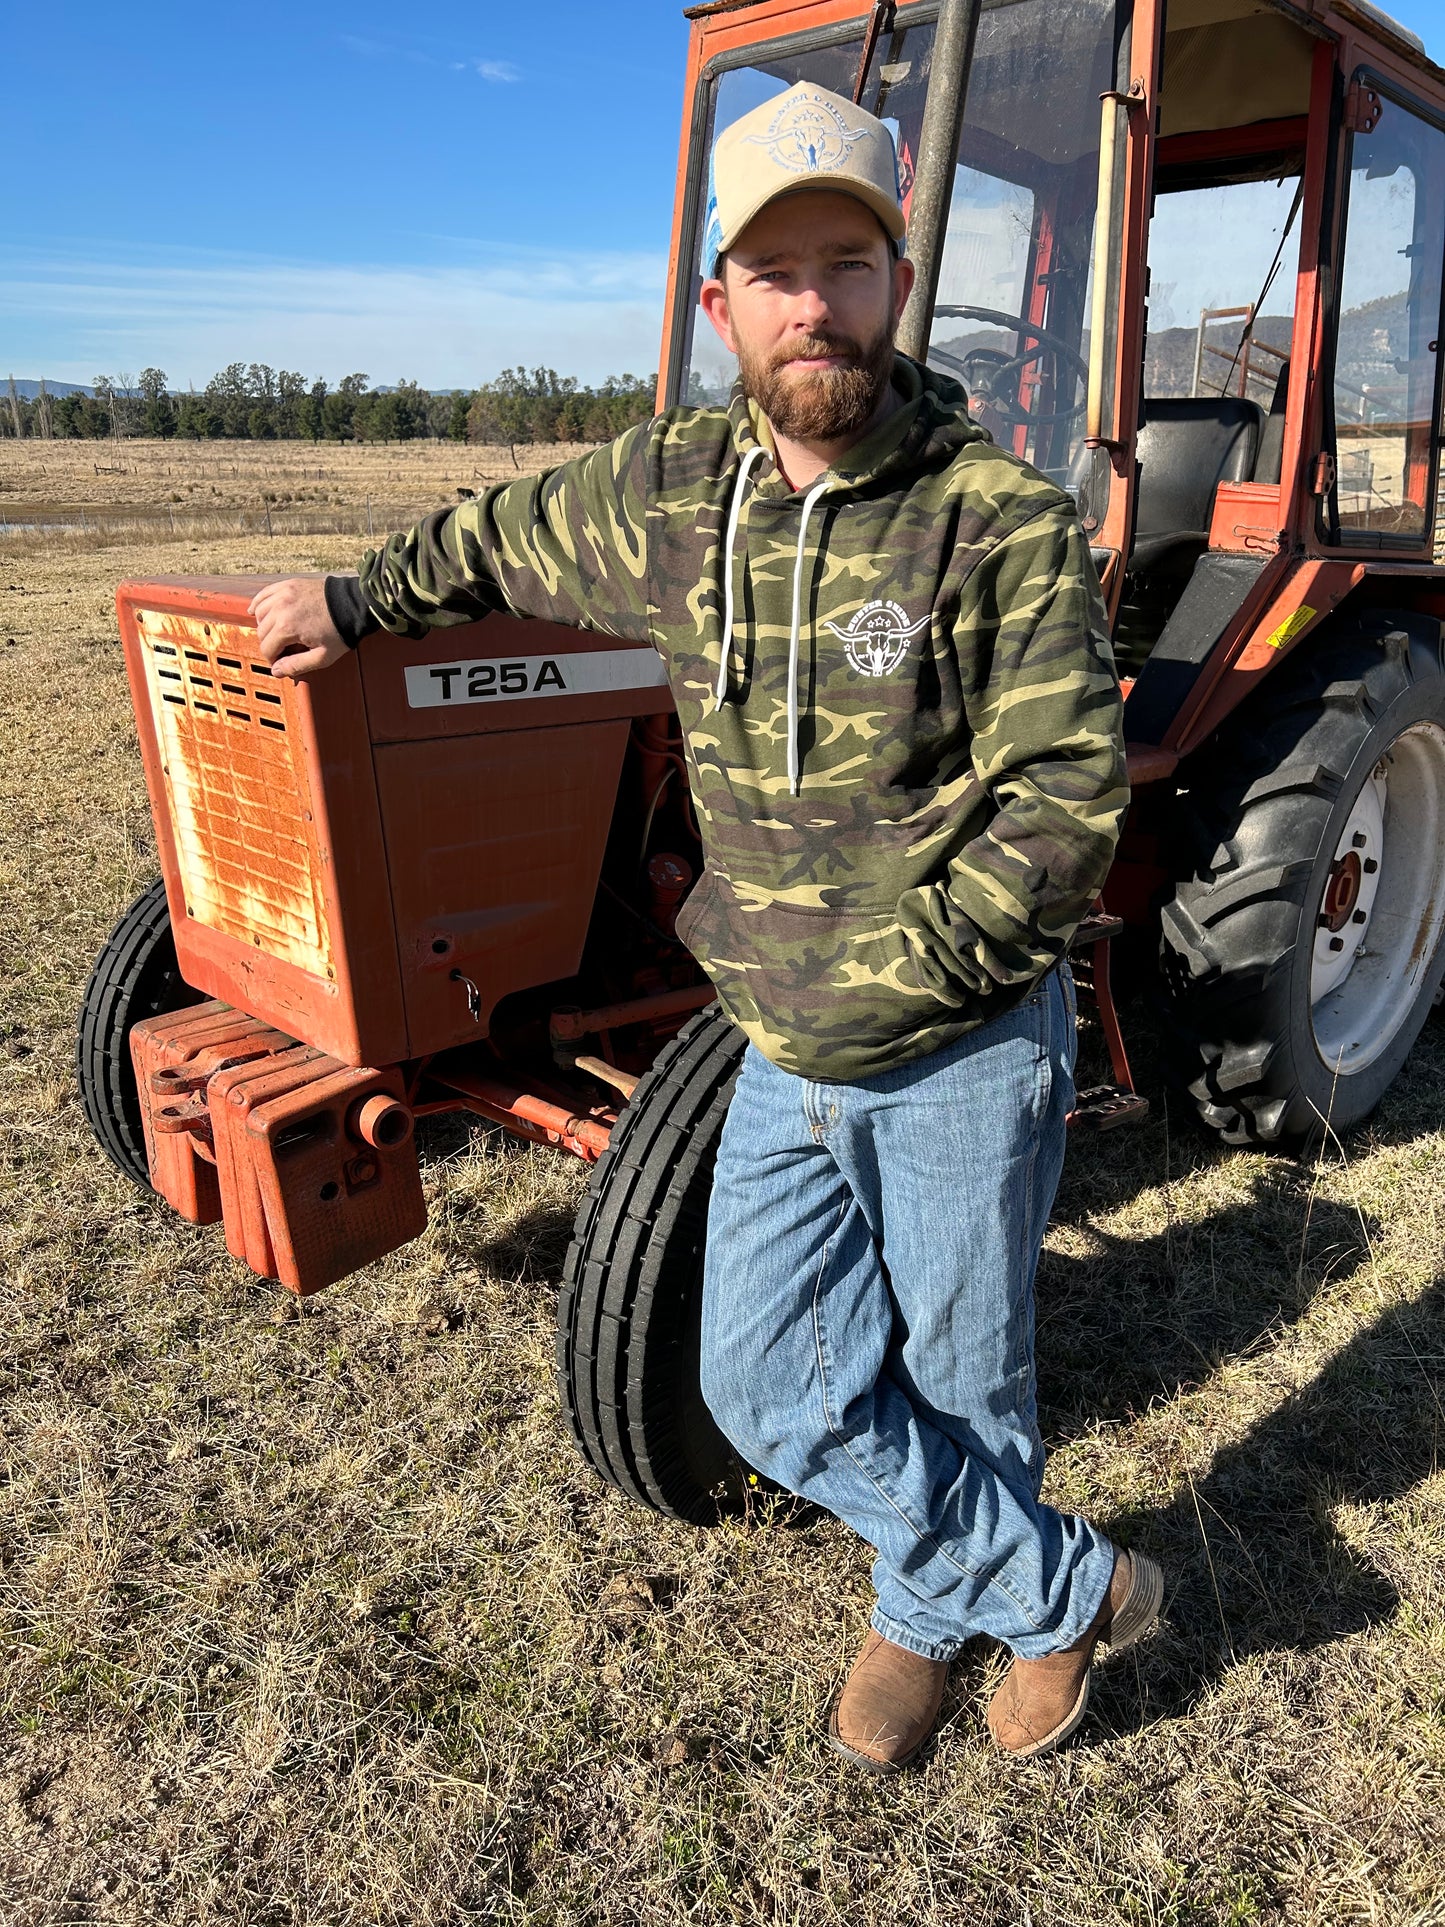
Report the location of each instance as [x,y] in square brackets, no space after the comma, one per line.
[237,789]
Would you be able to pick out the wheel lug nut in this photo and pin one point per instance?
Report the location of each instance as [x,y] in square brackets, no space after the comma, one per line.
[1358,840]
[1369,866]
[1337,943]
[1359,916]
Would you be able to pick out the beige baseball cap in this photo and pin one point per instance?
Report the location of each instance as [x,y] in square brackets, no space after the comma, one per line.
[805,138]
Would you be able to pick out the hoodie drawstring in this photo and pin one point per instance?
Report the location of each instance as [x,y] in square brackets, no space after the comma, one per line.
[753,455]
[794,769]
[729,544]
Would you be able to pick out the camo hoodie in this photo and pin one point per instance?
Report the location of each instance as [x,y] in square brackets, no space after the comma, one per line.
[901,717]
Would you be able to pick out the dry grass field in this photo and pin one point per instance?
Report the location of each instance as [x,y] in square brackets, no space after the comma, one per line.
[79,495]
[317,1620]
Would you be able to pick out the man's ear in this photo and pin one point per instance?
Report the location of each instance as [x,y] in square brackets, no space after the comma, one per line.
[904,276]
[713,300]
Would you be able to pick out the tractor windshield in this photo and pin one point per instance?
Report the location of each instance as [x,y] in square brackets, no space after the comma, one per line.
[1012,314]
[894,89]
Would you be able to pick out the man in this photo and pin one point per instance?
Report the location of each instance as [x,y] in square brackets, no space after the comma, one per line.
[888,654]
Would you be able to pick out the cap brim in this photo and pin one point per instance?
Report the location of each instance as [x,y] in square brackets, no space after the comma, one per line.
[874,199]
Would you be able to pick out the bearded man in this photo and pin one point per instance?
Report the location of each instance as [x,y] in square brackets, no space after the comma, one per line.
[888,653]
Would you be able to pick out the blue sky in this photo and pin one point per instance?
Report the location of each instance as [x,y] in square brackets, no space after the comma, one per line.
[417,193]
[331,189]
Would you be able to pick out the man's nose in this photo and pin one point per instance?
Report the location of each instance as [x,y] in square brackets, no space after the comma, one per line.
[810,308]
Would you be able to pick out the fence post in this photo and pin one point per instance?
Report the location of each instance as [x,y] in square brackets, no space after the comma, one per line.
[369,532]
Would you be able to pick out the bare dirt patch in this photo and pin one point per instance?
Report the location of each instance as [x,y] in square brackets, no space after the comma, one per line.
[319,1619]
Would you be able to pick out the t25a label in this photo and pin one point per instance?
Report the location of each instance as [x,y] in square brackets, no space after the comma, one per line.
[444,685]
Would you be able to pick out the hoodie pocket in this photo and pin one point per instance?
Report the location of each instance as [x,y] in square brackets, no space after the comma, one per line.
[823,985]
[696,923]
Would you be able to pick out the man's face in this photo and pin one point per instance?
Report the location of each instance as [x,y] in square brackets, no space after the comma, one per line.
[809,302]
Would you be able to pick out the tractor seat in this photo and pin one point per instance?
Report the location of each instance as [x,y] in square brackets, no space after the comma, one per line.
[1187,446]
[1270,459]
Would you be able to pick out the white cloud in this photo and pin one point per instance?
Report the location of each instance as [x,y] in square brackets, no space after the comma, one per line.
[585,314]
[498,70]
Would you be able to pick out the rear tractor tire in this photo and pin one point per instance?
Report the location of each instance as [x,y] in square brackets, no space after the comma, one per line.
[630,1305]
[136,976]
[1302,950]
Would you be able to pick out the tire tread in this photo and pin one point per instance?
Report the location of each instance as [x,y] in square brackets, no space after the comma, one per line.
[631,1279]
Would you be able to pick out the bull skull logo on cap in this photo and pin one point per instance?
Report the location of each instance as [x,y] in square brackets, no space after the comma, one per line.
[809,136]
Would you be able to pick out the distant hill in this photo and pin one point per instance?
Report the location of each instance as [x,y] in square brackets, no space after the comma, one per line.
[1169,357]
[1374,342]
[28,390]
[1373,339]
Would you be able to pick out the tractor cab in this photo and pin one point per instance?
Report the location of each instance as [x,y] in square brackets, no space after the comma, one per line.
[1184,255]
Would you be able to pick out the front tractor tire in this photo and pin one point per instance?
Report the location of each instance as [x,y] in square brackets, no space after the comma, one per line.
[630,1304]
[135,976]
[1302,949]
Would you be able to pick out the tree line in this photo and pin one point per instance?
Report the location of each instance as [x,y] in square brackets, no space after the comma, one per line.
[253,402]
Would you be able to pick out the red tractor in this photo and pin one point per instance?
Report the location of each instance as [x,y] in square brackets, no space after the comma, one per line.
[445,875]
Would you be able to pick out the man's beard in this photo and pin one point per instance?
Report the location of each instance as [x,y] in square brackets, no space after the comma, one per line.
[828,403]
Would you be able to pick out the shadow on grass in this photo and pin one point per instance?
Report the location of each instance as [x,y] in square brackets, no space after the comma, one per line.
[531,1248]
[528,1247]
[1252,1560]
[1152,1310]
[1251,1557]
[1147,1315]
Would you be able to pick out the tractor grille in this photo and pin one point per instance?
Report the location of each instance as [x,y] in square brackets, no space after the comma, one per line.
[236,782]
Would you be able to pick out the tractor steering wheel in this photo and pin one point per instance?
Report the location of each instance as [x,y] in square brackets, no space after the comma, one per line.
[996,367]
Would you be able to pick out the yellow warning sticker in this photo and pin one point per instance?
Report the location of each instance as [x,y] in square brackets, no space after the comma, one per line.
[1303,616]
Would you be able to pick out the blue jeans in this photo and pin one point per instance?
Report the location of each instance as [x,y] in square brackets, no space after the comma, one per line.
[868,1322]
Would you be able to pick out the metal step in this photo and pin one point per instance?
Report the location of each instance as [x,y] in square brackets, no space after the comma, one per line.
[1104,1107]
[1097,927]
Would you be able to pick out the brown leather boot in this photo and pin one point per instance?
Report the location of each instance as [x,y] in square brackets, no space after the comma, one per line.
[887,1706]
[1042,1701]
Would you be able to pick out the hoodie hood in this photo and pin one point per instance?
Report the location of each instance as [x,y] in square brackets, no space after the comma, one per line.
[929,426]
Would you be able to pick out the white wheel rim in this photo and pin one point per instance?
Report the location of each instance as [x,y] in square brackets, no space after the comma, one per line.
[1379,921]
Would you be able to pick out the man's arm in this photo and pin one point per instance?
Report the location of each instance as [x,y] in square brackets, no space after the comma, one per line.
[568,546]
[1048,743]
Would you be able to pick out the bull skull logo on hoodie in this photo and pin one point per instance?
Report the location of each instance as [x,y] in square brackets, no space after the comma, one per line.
[876,639]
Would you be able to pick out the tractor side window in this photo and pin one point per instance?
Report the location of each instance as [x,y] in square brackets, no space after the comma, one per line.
[1012,316]
[1387,332]
[1223,267]
[894,90]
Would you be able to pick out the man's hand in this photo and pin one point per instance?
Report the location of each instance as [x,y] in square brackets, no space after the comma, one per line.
[294,628]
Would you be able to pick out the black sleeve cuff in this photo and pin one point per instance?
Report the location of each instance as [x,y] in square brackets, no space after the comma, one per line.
[349,609]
